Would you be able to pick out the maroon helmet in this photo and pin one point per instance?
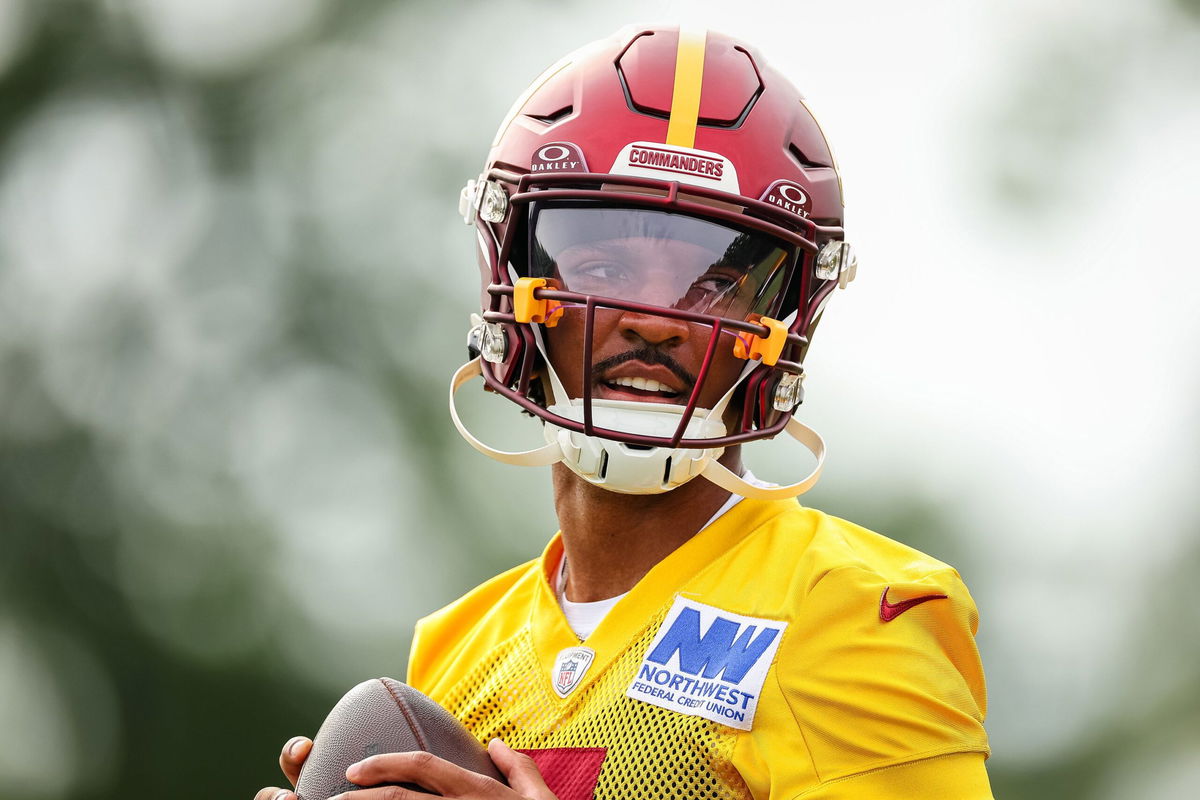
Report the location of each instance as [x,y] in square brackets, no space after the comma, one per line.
[690,145]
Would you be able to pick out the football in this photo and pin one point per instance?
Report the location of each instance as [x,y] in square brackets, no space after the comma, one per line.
[383,715]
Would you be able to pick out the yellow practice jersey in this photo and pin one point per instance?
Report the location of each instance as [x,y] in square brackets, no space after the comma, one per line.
[779,653]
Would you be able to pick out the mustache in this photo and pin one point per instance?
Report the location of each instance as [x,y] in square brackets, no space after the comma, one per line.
[647,355]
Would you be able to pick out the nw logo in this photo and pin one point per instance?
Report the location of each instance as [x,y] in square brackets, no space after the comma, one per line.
[708,662]
[726,650]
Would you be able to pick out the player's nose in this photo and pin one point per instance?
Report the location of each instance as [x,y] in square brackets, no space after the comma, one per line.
[653,328]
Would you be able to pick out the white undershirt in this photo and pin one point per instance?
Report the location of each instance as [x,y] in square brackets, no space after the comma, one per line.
[584,617]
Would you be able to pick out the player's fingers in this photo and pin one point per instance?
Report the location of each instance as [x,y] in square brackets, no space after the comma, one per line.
[426,770]
[274,793]
[520,770]
[291,759]
[382,793]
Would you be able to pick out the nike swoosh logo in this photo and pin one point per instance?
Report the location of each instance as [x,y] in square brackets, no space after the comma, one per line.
[889,611]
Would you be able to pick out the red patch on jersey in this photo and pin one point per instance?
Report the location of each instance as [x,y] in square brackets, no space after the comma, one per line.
[889,611]
[570,772]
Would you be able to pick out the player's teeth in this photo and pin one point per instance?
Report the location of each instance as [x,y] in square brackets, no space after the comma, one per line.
[644,384]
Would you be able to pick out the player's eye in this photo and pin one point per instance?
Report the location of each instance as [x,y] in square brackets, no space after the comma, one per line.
[714,283]
[710,289]
[597,274]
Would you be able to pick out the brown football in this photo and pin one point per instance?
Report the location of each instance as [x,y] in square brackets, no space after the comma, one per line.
[385,716]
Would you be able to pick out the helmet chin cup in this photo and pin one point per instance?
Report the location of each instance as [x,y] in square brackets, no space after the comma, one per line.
[629,468]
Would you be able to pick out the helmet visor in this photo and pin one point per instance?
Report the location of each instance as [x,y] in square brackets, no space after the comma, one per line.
[658,258]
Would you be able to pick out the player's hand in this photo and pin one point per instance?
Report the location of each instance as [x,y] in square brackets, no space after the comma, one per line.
[290,761]
[448,780]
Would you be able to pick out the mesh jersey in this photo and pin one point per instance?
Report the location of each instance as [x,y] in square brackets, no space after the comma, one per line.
[851,705]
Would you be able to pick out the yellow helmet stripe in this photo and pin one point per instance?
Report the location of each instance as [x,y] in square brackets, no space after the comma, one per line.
[685,96]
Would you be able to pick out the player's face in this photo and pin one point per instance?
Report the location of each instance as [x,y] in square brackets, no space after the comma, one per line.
[659,260]
[644,356]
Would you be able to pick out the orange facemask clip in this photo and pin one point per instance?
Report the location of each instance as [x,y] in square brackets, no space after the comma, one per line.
[527,308]
[767,350]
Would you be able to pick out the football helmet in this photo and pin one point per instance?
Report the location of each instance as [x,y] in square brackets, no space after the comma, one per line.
[671,175]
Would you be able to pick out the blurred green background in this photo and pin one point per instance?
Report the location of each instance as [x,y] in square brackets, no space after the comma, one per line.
[233,287]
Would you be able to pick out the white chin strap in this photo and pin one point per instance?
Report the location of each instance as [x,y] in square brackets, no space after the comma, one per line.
[629,469]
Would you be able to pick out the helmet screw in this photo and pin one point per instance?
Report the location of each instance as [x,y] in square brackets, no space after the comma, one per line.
[495,345]
[494,203]
[836,261]
[790,391]
[486,339]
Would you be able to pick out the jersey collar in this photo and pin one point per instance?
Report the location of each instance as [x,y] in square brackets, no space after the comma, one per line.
[654,592]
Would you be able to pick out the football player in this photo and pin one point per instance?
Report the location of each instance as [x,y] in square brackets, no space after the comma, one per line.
[659,227]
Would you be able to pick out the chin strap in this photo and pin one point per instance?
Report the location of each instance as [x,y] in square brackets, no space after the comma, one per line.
[728,480]
[540,457]
[714,471]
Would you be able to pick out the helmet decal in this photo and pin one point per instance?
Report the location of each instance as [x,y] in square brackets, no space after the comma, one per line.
[685,95]
[789,196]
[682,164]
[558,157]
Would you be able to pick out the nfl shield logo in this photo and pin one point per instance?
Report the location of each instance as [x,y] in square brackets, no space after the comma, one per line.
[566,675]
[570,667]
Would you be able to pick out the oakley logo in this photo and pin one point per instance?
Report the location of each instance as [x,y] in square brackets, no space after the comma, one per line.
[788,196]
[792,193]
[558,157]
[553,152]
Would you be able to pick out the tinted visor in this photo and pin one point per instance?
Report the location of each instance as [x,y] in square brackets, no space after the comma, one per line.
[657,258]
